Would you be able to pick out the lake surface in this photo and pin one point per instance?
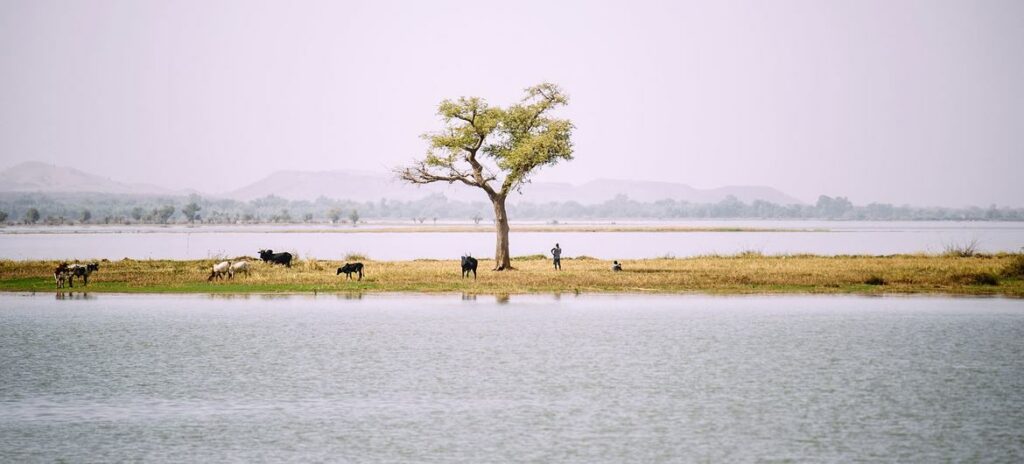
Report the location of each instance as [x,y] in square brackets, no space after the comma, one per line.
[875,238]
[524,378]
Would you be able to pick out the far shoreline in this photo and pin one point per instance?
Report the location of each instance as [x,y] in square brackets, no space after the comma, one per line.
[389,229]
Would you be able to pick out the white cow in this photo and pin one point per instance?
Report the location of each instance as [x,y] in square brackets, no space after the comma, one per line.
[220,270]
[239,267]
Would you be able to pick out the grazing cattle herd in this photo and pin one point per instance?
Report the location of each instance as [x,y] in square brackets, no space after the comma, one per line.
[219,270]
[65,273]
[229,269]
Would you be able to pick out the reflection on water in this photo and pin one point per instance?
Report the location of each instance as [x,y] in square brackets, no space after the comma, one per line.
[283,296]
[59,295]
[417,378]
[228,296]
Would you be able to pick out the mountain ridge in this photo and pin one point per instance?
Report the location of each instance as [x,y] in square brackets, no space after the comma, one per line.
[372,186]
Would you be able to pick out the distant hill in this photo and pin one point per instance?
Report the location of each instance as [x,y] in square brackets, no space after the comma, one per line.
[372,186]
[347,185]
[647,191]
[46,178]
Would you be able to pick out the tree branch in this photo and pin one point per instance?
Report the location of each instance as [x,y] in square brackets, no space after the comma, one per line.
[420,174]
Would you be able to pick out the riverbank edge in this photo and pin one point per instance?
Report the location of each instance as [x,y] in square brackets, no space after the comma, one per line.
[74,295]
[746,274]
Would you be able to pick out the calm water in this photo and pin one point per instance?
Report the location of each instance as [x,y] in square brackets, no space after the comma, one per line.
[542,379]
[196,243]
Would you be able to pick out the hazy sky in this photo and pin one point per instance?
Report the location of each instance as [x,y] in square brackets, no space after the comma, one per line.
[916,102]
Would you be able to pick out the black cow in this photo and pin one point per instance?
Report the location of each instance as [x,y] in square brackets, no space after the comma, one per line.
[62,275]
[268,256]
[81,271]
[468,265]
[350,268]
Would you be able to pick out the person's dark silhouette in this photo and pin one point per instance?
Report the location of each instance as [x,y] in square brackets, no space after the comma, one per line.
[556,254]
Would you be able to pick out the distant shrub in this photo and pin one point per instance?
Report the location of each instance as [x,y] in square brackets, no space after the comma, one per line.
[874,280]
[530,258]
[750,254]
[1016,267]
[962,250]
[356,257]
[978,278]
[584,257]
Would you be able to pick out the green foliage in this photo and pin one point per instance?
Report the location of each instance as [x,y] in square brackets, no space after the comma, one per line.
[126,208]
[191,211]
[283,216]
[163,214]
[32,215]
[834,207]
[3,216]
[492,148]
[354,217]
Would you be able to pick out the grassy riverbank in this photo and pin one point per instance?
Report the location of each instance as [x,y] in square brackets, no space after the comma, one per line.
[748,273]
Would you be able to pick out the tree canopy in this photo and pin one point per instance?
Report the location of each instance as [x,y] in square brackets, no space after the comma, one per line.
[492,148]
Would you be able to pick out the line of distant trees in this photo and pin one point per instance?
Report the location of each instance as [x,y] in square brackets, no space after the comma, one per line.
[93,208]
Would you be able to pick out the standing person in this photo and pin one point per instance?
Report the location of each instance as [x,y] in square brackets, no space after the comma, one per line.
[556,254]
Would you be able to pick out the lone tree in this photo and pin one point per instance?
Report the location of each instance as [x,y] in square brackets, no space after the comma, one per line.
[334,214]
[31,216]
[164,213]
[191,210]
[495,149]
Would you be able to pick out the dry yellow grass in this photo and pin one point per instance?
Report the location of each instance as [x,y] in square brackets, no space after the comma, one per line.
[750,273]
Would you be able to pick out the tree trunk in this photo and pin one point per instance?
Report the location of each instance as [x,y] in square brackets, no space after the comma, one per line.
[502,259]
